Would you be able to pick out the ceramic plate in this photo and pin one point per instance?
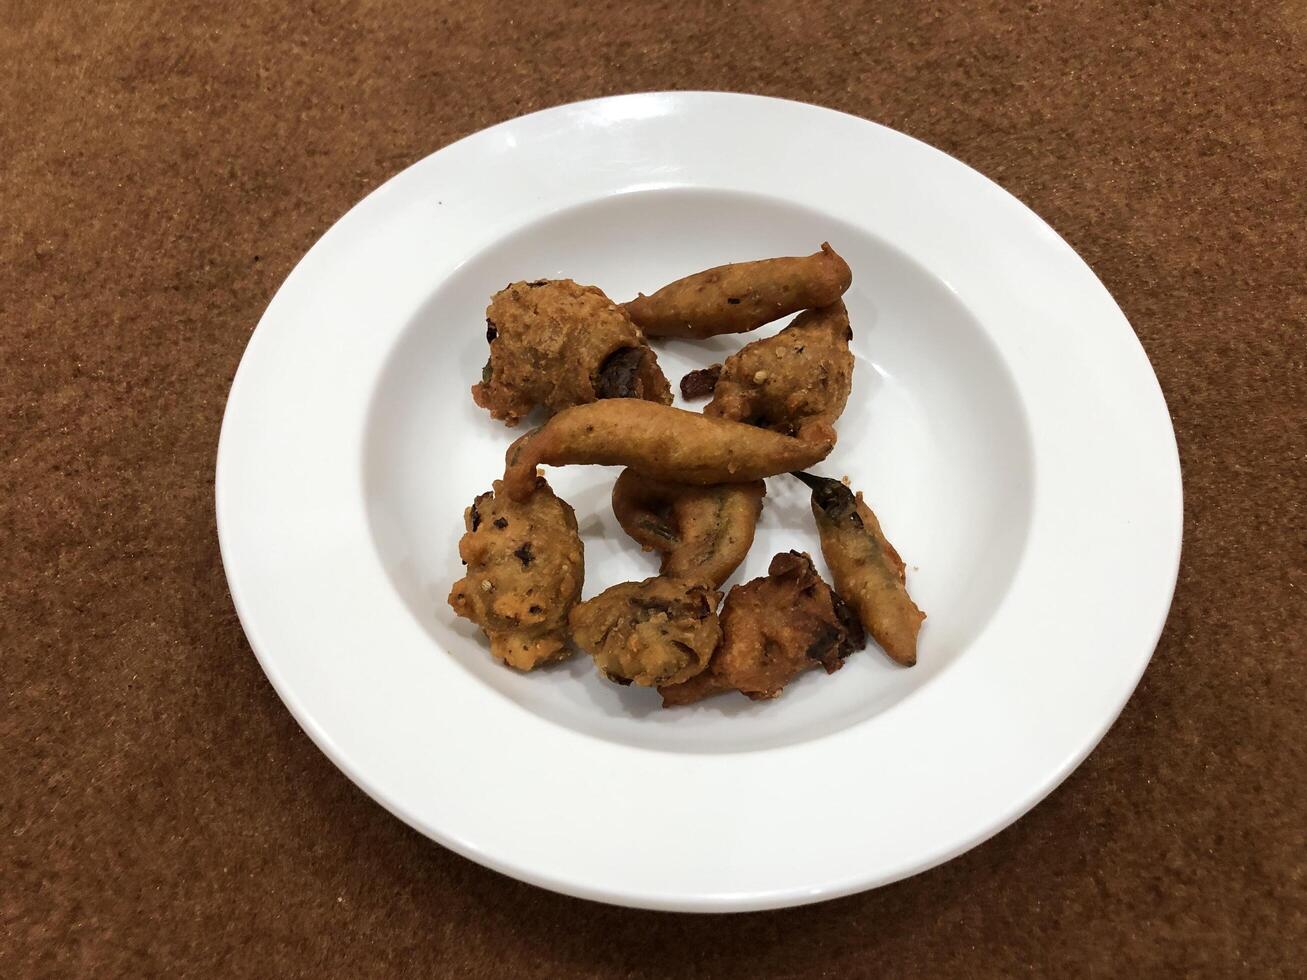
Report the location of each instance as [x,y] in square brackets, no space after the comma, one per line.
[1005,425]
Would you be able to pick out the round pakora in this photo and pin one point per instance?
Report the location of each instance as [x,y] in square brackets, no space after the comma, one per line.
[525,567]
[796,383]
[773,629]
[555,343]
[659,631]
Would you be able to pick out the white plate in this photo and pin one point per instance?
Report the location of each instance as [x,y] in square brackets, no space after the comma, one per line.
[1005,425]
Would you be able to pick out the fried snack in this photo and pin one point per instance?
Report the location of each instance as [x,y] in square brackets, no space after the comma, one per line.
[525,566]
[740,297]
[700,384]
[659,631]
[556,343]
[658,441]
[703,532]
[796,382]
[867,570]
[773,629]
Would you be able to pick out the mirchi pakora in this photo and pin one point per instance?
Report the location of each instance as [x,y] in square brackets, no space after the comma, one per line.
[659,631]
[867,570]
[742,296]
[703,533]
[658,441]
[796,382]
[556,343]
[525,567]
[773,629]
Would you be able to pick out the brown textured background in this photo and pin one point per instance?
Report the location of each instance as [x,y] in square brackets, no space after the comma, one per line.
[162,168]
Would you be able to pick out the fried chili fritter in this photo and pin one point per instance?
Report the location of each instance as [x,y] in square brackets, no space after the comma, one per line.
[525,566]
[866,568]
[659,631]
[773,629]
[556,343]
[658,441]
[796,382]
[703,532]
[742,296]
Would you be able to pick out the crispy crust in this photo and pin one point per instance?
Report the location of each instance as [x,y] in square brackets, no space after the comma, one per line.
[556,343]
[655,440]
[703,533]
[773,629]
[525,566]
[659,631]
[796,383]
[867,570]
[742,296]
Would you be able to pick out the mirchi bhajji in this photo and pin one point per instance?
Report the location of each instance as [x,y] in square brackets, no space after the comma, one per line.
[742,296]
[691,487]
[703,533]
[658,441]
[867,570]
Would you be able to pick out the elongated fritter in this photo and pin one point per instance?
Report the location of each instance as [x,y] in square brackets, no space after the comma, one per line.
[703,532]
[867,570]
[742,296]
[556,343]
[796,382]
[525,566]
[659,631]
[658,441]
[773,629]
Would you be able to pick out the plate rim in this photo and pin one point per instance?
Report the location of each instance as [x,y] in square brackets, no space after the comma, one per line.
[754,901]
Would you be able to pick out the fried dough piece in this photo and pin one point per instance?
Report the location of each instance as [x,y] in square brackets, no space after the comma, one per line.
[525,565]
[658,441]
[659,631]
[796,382]
[700,384]
[773,629]
[867,570]
[742,296]
[703,532]
[556,343]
